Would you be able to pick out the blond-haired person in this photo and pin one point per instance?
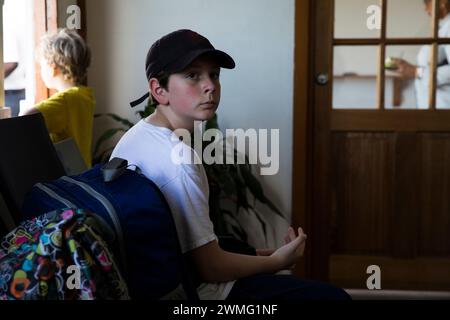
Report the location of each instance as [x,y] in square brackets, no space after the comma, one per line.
[64,58]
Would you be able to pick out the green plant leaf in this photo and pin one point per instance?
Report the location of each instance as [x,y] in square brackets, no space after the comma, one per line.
[274,208]
[256,189]
[212,123]
[146,112]
[236,228]
[242,199]
[108,134]
[242,235]
[252,183]
[103,156]
[262,222]
[220,176]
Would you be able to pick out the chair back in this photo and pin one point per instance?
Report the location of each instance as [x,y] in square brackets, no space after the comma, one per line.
[70,156]
[27,157]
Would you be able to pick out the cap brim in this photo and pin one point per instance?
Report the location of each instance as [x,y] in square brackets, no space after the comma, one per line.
[223,60]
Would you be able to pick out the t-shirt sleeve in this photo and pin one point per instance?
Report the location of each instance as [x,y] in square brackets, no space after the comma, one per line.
[189,205]
[54,112]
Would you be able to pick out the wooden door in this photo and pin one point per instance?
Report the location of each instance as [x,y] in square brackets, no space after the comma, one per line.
[380,187]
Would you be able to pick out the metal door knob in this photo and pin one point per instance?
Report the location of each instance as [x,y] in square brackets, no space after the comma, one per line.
[322,79]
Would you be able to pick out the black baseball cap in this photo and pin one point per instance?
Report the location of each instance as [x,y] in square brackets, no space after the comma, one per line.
[176,51]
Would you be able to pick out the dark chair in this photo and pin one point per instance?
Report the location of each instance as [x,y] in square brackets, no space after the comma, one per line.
[6,221]
[27,157]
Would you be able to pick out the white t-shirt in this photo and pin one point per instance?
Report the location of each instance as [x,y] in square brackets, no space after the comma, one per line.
[13,23]
[185,187]
[443,71]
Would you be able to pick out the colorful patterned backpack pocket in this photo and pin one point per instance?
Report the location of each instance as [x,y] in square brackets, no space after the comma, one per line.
[61,255]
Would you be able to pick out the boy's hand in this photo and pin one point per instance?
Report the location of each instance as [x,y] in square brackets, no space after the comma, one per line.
[290,236]
[264,252]
[293,250]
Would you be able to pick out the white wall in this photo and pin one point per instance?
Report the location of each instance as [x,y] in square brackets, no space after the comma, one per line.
[259,34]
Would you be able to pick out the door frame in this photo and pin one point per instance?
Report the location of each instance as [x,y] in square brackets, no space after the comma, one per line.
[311,195]
[45,20]
[308,160]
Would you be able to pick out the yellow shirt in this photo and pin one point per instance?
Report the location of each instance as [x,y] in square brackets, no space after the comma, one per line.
[70,114]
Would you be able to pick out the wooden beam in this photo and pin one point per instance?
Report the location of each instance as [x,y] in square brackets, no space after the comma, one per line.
[52,15]
[301,136]
[40,27]
[319,241]
[381,80]
[83,30]
[391,120]
[389,41]
[45,20]
[433,57]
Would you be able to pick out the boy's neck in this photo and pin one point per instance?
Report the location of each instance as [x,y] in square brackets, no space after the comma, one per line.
[164,118]
[62,85]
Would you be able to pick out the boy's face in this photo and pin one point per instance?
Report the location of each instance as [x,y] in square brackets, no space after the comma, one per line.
[194,93]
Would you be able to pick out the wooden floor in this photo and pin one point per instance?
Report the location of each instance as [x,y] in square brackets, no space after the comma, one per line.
[409,275]
[362,294]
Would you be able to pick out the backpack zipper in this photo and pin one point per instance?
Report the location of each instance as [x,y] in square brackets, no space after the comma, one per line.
[109,209]
[55,196]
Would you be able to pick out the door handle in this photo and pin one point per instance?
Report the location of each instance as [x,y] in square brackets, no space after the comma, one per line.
[322,79]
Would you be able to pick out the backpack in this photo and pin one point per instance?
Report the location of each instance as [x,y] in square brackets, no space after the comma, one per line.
[60,255]
[146,242]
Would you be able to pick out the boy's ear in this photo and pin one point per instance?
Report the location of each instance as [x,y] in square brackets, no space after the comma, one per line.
[158,92]
[54,70]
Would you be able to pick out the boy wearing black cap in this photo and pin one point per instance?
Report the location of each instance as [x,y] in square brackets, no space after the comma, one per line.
[183,70]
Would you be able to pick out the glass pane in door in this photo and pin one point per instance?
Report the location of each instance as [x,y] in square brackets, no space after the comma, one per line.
[407,77]
[408,19]
[355,77]
[443,78]
[357,19]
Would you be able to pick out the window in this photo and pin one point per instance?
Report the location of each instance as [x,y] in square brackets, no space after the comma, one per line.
[23,22]
[366,72]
